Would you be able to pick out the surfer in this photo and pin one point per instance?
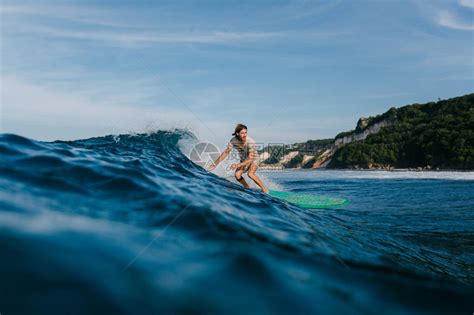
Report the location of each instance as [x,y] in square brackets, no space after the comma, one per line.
[248,157]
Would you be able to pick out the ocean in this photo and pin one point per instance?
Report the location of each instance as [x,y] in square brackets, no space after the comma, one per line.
[128,224]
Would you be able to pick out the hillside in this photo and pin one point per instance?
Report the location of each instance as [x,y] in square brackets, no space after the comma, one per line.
[433,135]
[436,135]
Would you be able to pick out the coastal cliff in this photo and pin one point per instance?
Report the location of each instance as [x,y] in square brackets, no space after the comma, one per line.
[361,134]
[436,135]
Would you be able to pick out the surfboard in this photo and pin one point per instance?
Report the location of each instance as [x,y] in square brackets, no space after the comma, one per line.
[309,201]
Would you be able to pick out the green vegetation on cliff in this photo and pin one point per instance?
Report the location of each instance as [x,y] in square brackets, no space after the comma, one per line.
[437,134]
[295,161]
[277,151]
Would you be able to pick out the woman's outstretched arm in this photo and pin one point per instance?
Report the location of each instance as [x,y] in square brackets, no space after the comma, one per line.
[222,156]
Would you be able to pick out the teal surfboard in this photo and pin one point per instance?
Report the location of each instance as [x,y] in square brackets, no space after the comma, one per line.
[308,201]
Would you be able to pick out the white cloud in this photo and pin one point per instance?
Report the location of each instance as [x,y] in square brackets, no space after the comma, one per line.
[138,39]
[448,19]
[111,26]
[126,28]
[42,112]
[128,38]
[467,3]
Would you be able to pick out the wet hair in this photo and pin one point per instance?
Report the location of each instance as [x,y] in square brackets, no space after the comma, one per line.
[239,128]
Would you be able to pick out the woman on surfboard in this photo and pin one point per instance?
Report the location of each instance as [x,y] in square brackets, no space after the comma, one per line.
[248,157]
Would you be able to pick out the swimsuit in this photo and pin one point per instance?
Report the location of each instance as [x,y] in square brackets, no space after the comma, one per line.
[244,150]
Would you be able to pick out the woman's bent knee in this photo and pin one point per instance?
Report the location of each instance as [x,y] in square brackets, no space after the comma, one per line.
[238,175]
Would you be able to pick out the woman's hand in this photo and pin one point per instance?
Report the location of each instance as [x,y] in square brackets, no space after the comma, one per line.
[211,167]
[234,166]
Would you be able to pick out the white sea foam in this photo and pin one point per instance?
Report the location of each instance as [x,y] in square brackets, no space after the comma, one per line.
[368,174]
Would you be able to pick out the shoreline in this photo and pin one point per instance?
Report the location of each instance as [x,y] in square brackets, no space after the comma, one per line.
[366,170]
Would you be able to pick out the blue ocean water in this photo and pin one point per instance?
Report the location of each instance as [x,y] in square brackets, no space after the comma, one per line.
[129,225]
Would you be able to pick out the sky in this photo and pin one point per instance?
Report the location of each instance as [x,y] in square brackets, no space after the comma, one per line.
[290,70]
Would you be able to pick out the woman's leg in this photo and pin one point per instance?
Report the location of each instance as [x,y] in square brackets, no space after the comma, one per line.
[254,177]
[238,175]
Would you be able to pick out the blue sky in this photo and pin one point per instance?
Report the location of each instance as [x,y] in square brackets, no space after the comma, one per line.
[290,70]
